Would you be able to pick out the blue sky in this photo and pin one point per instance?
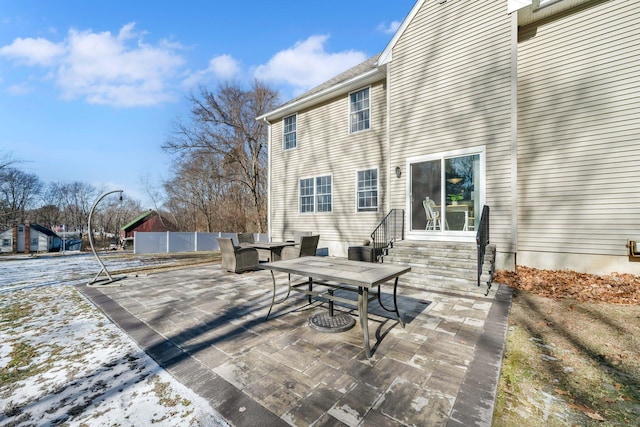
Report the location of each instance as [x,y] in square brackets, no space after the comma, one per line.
[89,90]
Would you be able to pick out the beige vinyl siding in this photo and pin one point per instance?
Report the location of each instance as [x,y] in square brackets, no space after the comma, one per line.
[579,131]
[325,147]
[450,89]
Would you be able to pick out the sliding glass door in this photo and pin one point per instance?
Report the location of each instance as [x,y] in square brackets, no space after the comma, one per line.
[446,192]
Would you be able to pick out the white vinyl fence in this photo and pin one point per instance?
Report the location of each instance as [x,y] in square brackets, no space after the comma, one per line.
[170,241]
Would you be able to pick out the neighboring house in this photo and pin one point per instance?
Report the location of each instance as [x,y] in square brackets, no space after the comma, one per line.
[147,221]
[29,238]
[529,107]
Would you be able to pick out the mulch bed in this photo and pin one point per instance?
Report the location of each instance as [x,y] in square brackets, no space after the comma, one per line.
[613,288]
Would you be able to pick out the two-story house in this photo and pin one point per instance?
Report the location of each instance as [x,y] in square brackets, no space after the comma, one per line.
[531,107]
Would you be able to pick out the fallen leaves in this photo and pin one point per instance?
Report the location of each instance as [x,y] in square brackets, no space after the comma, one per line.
[587,411]
[614,288]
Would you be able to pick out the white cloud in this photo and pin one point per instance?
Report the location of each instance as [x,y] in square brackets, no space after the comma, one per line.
[389,29]
[307,64]
[106,69]
[20,89]
[103,68]
[33,51]
[222,67]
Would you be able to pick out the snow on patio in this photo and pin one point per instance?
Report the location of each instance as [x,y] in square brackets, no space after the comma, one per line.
[63,361]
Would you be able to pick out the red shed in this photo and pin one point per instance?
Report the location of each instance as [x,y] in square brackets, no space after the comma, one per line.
[148,221]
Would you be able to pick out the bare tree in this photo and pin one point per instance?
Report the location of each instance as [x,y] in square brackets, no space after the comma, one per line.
[223,125]
[113,214]
[198,184]
[156,196]
[6,160]
[47,215]
[74,199]
[18,191]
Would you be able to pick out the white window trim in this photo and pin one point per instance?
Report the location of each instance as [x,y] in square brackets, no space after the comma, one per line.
[349,111]
[464,236]
[284,147]
[299,196]
[358,211]
[315,194]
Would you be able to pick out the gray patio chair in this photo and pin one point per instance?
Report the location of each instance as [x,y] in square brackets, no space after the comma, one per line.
[307,247]
[235,258]
[298,235]
[245,239]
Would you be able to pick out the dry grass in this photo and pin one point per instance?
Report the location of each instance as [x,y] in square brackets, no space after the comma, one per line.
[568,361]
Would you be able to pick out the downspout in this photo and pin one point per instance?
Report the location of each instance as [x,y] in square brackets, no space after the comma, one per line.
[388,192]
[264,119]
[514,136]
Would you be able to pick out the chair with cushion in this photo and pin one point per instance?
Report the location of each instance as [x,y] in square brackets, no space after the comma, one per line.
[298,235]
[235,258]
[307,247]
[245,239]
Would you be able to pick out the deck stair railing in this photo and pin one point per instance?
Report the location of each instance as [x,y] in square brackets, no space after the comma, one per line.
[482,239]
[390,229]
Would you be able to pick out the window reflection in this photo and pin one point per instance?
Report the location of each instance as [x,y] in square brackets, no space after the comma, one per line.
[445,201]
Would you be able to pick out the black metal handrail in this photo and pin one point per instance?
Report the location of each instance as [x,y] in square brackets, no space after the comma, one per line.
[482,238]
[390,229]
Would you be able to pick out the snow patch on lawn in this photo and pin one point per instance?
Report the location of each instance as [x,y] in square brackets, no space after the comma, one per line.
[62,360]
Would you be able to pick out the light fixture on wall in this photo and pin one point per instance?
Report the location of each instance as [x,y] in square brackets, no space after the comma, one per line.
[398,171]
[454,180]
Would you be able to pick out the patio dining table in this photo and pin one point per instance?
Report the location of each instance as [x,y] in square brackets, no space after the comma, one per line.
[274,248]
[343,274]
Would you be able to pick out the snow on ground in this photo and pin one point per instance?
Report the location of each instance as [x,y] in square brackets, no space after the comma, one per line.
[25,271]
[63,362]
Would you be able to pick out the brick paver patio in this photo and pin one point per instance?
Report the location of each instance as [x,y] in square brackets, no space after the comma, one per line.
[207,328]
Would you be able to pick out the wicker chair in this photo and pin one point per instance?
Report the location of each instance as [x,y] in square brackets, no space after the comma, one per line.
[307,247]
[298,235]
[235,258]
[245,239]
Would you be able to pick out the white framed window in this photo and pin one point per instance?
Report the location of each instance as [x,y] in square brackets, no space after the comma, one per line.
[367,190]
[359,111]
[307,198]
[6,242]
[290,132]
[323,194]
[316,194]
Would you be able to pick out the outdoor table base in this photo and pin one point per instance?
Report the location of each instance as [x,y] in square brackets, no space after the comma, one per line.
[324,322]
[331,322]
[340,274]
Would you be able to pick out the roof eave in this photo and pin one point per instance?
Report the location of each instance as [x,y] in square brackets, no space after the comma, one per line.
[387,54]
[346,86]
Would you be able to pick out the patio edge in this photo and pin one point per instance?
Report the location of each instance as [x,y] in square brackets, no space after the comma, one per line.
[475,402]
[232,404]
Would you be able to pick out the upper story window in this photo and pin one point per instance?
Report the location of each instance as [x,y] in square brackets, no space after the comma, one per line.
[290,132]
[367,190]
[316,194]
[359,111]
